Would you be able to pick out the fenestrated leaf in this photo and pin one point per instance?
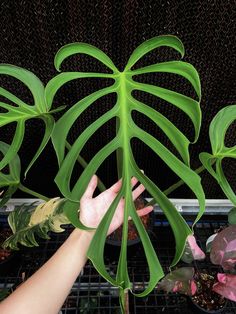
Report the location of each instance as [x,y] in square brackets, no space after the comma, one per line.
[126,129]
[20,112]
[27,221]
[10,180]
[218,128]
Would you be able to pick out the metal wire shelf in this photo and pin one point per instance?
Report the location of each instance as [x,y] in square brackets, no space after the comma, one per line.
[92,294]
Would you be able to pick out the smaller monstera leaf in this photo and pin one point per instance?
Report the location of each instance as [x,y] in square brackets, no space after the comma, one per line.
[223,250]
[17,111]
[26,222]
[11,180]
[179,280]
[218,128]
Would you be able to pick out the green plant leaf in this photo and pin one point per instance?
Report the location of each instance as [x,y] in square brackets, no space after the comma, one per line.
[20,112]
[82,48]
[11,180]
[27,221]
[153,43]
[232,216]
[124,84]
[218,128]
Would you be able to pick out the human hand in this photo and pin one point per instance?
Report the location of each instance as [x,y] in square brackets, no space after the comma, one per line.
[92,209]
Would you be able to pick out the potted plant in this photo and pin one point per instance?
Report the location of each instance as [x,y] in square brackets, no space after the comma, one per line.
[66,210]
[208,291]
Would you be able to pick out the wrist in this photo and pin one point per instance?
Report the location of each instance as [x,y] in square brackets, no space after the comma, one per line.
[84,235]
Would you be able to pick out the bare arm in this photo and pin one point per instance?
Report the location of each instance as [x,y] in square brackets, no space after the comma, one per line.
[46,290]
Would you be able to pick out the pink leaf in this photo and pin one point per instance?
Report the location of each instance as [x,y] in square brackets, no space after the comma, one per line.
[179,280]
[223,250]
[226,286]
[192,251]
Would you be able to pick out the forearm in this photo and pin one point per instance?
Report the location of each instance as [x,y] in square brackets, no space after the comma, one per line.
[47,289]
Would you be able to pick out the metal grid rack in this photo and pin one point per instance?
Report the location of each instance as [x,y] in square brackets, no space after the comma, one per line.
[92,294]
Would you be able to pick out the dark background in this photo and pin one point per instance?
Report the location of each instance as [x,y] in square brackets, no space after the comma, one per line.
[31,32]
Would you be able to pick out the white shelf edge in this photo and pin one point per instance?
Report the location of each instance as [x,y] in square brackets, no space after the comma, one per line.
[186,206]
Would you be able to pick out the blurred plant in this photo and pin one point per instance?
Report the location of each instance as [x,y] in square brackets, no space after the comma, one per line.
[218,128]
[222,245]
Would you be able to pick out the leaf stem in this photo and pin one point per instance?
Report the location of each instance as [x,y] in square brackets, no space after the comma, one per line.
[176,185]
[31,192]
[126,297]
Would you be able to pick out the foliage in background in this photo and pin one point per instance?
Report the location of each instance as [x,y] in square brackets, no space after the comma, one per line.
[221,245]
[18,111]
[10,179]
[124,84]
[218,128]
[28,221]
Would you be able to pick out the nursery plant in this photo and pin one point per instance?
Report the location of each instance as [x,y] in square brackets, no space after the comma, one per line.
[207,289]
[124,83]
[221,246]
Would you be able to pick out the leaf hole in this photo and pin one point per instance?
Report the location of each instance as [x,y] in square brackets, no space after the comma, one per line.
[84,63]
[75,90]
[157,55]
[229,169]
[17,88]
[168,81]
[151,128]
[171,112]
[230,136]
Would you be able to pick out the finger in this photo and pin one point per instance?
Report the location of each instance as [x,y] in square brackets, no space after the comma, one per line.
[134,181]
[145,210]
[90,188]
[139,190]
[116,187]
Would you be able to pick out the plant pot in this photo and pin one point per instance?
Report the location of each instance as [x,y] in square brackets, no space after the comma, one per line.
[133,237]
[205,300]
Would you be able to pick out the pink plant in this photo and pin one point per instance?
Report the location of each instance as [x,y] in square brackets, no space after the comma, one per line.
[179,280]
[223,250]
[226,286]
[192,251]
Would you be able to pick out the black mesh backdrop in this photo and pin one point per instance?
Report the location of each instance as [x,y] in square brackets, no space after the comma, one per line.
[32,32]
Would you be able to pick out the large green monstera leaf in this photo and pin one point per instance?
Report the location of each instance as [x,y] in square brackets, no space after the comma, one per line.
[18,111]
[218,128]
[123,85]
